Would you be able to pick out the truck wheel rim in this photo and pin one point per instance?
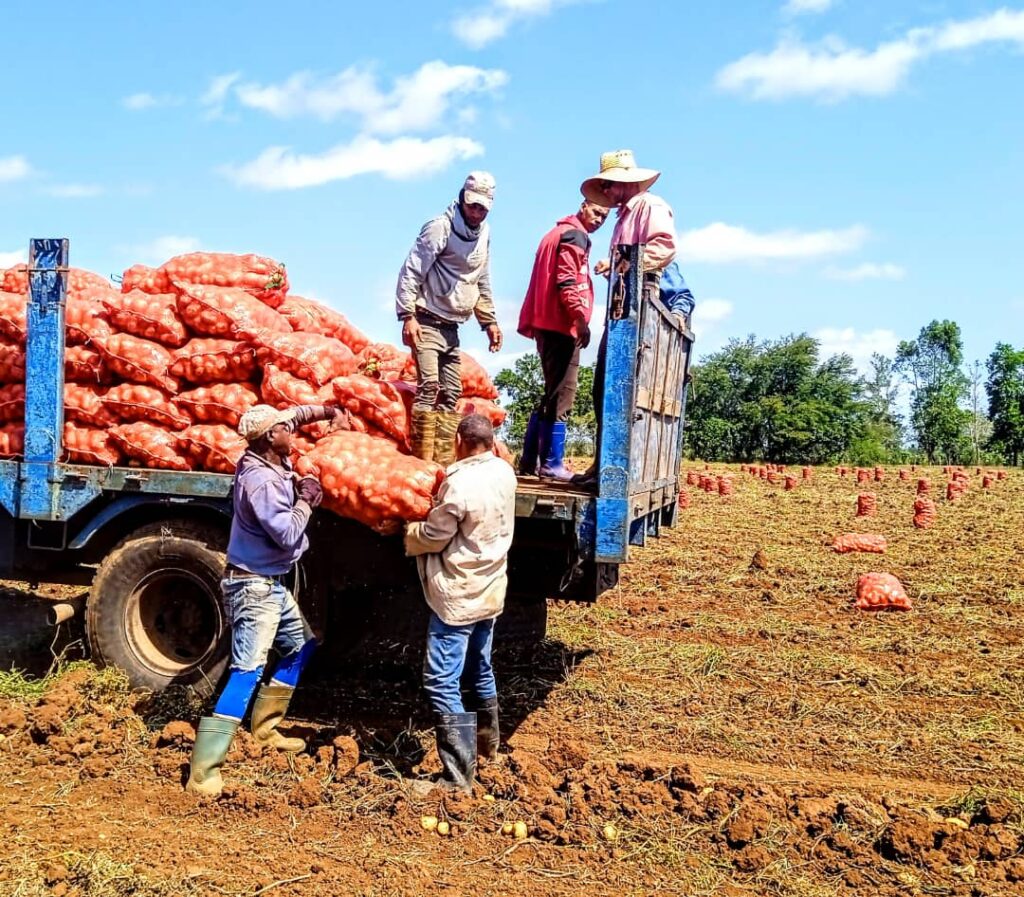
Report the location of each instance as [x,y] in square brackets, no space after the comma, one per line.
[173,621]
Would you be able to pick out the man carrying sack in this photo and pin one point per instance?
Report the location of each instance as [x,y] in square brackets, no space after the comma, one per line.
[445,279]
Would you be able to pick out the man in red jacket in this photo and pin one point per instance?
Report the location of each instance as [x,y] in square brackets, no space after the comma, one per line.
[556,313]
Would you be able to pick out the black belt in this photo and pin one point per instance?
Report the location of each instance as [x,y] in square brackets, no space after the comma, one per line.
[427,317]
[233,572]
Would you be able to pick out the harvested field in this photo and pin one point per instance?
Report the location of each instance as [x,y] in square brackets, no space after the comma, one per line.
[724,723]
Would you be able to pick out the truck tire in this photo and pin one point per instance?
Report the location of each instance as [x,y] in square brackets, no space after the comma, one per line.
[155,608]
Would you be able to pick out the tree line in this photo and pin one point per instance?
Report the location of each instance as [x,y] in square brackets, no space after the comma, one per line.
[778,400]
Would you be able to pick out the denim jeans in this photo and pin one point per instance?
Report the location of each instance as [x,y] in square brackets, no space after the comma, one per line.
[263,614]
[454,654]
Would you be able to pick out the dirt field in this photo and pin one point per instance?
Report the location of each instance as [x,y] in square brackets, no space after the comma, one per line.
[724,723]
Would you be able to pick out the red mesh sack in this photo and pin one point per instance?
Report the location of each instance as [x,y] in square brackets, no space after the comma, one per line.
[485,407]
[691,478]
[89,445]
[16,280]
[85,405]
[475,380]
[385,362]
[221,403]
[924,487]
[138,360]
[925,514]
[146,279]
[85,365]
[806,473]
[153,316]
[375,401]
[879,475]
[151,445]
[904,474]
[318,359]
[774,477]
[684,499]
[85,317]
[869,542]
[1000,474]
[986,481]
[308,316]
[203,361]
[881,591]
[12,403]
[762,473]
[300,446]
[212,447]
[863,475]
[503,452]
[867,503]
[955,490]
[257,275]
[708,484]
[134,401]
[369,480]
[724,486]
[12,317]
[282,390]
[12,363]
[789,484]
[226,313]
[842,471]
[12,440]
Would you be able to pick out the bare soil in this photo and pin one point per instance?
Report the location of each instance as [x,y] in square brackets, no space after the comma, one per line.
[724,723]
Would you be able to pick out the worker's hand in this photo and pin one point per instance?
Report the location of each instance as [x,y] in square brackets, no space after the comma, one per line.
[310,491]
[342,420]
[494,335]
[582,333]
[411,333]
[680,320]
[603,267]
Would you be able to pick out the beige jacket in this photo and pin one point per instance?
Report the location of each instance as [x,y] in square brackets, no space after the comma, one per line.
[461,549]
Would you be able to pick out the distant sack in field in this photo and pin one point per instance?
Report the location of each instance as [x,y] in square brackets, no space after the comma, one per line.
[881,591]
[870,542]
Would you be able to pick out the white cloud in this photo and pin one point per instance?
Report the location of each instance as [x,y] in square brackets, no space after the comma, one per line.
[414,103]
[278,168]
[158,251]
[859,346]
[491,22]
[140,102]
[723,243]
[867,271]
[801,7]
[216,94]
[10,259]
[832,71]
[712,311]
[14,168]
[74,191]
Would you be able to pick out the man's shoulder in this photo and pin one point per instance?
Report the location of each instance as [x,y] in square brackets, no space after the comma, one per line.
[438,226]
[652,200]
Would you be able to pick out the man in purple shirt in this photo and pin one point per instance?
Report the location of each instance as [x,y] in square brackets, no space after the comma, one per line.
[272,507]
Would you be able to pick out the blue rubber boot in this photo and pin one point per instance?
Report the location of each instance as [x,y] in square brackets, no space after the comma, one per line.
[531,443]
[552,441]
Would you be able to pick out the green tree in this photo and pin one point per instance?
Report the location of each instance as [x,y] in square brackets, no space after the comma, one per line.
[522,387]
[882,439]
[931,364]
[1005,388]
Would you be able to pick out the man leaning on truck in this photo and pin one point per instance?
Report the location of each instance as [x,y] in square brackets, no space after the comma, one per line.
[445,279]
[271,509]
[461,552]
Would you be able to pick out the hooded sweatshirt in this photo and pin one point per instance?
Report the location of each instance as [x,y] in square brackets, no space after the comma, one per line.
[447,272]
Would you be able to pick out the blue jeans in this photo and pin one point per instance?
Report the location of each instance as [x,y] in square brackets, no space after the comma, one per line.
[263,614]
[454,653]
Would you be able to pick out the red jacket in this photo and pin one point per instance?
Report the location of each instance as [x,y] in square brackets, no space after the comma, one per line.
[560,288]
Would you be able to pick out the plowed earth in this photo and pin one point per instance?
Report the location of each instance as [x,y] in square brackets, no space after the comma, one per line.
[724,723]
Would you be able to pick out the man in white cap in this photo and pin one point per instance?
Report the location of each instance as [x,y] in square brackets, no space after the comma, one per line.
[445,279]
[642,218]
[271,509]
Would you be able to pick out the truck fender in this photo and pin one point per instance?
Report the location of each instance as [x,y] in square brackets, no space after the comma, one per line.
[127,503]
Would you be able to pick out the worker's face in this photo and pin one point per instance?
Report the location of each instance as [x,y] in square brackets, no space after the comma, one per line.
[592,215]
[280,438]
[474,213]
[617,192]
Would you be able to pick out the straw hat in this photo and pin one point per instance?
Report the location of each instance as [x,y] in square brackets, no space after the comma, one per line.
[619,167]
[260,419]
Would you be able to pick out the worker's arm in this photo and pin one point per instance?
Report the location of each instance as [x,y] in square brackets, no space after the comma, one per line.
[484,309]
[660,248]
[283,521]
[428,246]
[433,534]
[570,263]
[310,414]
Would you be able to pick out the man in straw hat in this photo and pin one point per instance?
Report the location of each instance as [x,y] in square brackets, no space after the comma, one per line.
[445,279]
[271,509]
[642,218]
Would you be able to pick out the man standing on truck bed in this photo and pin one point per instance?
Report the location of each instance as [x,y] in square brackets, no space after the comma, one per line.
[642,218]
[272,508]
[556,313]
[446,278]
[461,552]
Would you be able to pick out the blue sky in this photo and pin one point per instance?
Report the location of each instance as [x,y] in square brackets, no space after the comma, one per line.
[849,169]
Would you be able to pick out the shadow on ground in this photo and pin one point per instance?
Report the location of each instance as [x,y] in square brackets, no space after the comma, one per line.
[28,641]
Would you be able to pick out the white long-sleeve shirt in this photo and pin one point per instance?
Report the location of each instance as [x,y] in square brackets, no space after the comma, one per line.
[461,549]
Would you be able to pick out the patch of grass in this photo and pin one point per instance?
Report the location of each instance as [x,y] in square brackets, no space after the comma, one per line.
[15,685]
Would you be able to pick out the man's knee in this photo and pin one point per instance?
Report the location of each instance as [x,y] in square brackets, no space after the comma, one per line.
[448,397]
[426,395]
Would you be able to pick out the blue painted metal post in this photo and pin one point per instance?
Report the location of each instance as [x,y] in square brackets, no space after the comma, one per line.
[44,378]
[613,510]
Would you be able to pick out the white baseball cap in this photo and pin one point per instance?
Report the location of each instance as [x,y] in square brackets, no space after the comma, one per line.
[260,419]
[479,188]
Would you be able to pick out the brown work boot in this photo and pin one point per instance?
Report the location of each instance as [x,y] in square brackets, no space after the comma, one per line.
[444,440]
[423,434]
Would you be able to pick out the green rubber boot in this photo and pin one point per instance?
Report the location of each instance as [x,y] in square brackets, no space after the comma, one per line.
[444,443]
[268,712]
[423,434]
[213,741]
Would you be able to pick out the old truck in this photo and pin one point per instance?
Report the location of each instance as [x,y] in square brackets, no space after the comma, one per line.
[149,544]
